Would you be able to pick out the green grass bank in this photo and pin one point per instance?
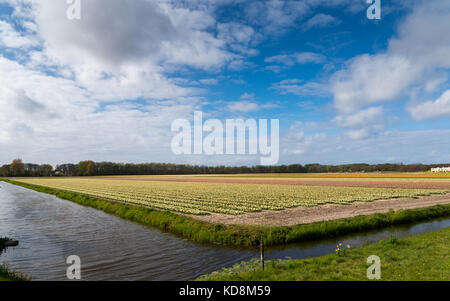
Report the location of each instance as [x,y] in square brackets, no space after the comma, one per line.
[244,236]
[7,275]
[418,258]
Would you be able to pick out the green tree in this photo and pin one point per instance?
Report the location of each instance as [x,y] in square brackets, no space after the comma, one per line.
[86,168]
[17,168]
[5,171]
[45,170]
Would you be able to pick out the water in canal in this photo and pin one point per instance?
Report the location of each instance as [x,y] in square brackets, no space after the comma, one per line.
[50,229]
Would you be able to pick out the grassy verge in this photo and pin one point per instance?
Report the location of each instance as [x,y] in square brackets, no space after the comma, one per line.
[7,275]
[244,236]
[419,258]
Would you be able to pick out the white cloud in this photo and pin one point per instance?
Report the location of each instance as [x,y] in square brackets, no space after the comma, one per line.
[209,81]
[297,87]
[10,38]
[297,58]
[243,106]
[362,124]
[361,118]
[435,82]
[321,20]
[358,133]
[416,53]
[397,146]
[119,50]
[240,38]
[372,79]
[432,109]
[296,142]
[248,96]
[275,17]
[240,64]
[51,120]
[116,32]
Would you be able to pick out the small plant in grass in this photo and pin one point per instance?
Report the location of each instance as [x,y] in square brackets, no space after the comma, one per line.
[393,239]
[340,249]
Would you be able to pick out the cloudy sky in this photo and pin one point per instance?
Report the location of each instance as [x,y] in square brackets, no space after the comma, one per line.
[108,86]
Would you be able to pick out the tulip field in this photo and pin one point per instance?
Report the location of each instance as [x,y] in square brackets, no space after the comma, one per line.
[224,198]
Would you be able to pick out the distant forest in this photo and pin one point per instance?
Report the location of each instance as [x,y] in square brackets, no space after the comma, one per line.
[89,168]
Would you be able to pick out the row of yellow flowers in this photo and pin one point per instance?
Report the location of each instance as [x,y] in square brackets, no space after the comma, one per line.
[225,198]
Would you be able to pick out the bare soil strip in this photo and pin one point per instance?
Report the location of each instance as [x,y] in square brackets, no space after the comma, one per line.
[377,184]
[305,215]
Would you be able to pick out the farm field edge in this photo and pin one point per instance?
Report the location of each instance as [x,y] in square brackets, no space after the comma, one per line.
[421,257]
[224,198]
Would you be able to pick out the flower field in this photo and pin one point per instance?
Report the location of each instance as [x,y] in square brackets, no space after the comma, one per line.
[350,176]
[225,198]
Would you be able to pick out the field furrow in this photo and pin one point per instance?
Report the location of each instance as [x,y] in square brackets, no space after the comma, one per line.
[224,198]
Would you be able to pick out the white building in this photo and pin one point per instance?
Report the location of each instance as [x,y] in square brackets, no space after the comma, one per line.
[441,169]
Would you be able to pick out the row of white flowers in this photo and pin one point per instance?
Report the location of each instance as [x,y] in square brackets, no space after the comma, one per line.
[440,169]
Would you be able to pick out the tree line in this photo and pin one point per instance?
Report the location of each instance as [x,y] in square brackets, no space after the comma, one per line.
[19,169]
[90,168]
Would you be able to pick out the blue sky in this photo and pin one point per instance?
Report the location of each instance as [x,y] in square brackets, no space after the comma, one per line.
[108,86]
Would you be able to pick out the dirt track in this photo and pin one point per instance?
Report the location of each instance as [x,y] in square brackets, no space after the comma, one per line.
[304,215]
[380,184]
